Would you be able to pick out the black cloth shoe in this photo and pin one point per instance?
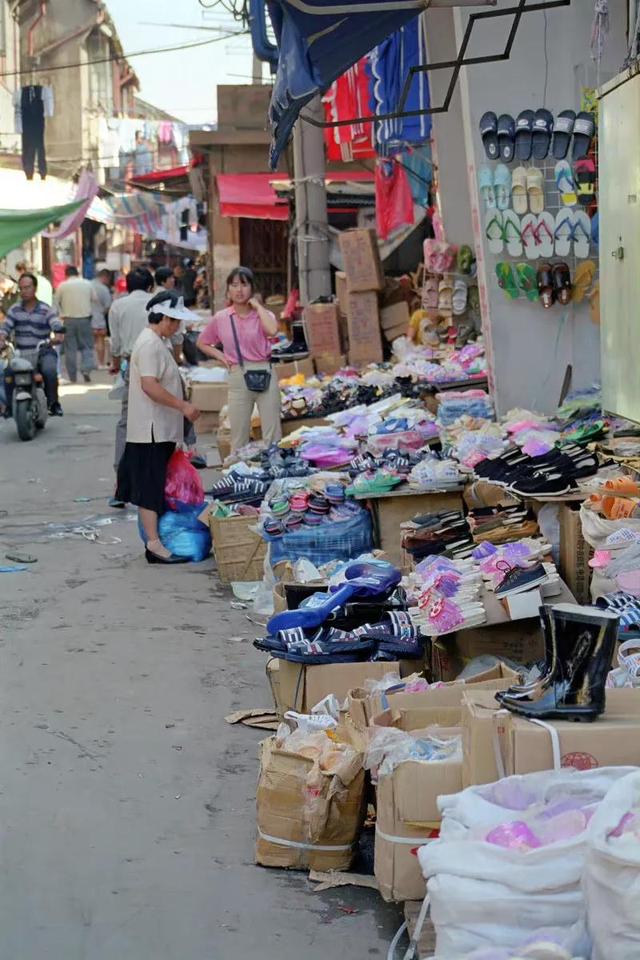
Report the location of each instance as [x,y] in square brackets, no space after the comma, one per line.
[55,410]
[575,689]
[86,377]
[154,558]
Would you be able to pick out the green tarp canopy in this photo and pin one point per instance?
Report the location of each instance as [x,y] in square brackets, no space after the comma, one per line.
[16,226]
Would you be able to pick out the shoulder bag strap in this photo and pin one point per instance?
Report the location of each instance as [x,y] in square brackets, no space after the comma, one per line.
[237,342]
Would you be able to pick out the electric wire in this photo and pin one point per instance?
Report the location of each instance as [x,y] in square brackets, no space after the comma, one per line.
[127,56]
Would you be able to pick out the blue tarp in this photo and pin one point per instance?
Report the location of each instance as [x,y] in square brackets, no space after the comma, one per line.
[318,41]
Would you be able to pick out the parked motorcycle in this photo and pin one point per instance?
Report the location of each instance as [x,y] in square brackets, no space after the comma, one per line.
[29,402]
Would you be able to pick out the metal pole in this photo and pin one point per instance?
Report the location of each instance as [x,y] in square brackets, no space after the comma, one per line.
[311,226]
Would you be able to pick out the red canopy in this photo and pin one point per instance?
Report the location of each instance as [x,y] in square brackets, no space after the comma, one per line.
[250,195]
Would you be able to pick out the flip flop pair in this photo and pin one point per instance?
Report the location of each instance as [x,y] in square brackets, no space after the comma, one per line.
[572,227]
[538,235]
[523,280]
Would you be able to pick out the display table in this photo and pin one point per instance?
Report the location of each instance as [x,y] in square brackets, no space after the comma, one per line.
[389,510]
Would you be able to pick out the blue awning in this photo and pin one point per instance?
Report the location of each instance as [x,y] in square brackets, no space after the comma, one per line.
[318,41]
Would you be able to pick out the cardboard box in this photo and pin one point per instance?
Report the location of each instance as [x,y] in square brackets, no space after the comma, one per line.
[290,426]
[302,686]
[613,740]
[480,746]
[406,800]
[317,816]
[330,363]
[295,367]
[341,291]
[363,322]
[209,397]
[520,642]
[575,552]
[207,423]
[395,316]
[322,328]
[391,511]
[223,440]
[364,706]
[361,260]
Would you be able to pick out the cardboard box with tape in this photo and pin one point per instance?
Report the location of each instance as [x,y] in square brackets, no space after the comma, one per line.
[361,259]
[309,814]
[497,743]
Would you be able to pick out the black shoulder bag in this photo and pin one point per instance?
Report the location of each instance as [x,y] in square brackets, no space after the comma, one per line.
[257,381]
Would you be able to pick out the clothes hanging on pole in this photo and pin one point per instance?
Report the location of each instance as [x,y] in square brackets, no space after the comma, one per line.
[349,96]
[389,64]
[419,169]
[394,202]
[31,105]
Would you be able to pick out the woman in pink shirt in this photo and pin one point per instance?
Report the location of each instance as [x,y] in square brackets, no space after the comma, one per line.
[238,336]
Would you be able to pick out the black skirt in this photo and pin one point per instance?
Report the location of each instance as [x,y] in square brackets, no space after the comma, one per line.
[142,475]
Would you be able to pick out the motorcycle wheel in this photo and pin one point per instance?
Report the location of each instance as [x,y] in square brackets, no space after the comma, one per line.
[24,420]
[41,418]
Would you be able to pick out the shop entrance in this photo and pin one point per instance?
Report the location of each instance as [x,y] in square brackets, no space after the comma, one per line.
[263,248]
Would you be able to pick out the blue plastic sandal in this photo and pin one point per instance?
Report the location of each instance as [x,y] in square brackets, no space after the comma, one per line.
[363,580]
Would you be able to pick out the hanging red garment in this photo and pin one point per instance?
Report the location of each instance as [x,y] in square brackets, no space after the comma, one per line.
[348,97]
[394,201]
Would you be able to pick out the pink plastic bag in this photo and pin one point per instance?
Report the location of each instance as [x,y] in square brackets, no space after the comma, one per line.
[183,483]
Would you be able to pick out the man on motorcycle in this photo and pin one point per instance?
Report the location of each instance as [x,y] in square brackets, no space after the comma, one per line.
[30,321]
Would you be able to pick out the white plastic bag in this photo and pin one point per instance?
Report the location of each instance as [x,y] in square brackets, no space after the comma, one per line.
[486,895]
[611,880]
[596,529]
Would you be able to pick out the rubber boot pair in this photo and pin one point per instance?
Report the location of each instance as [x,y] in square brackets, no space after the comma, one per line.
[579,646]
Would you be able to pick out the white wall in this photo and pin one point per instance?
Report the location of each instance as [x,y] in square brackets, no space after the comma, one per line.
[530,347]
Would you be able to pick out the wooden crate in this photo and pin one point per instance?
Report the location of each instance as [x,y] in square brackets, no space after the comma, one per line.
[239,551]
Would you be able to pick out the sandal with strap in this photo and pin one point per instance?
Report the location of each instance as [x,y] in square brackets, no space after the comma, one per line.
[546,290]
[562,282]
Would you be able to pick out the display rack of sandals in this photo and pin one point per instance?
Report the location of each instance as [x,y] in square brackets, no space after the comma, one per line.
[450,305]
[540,204]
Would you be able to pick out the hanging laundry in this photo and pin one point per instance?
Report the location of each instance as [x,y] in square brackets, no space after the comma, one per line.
[419,169]
[31,105]
[349,96]
[394,202]
[389,64]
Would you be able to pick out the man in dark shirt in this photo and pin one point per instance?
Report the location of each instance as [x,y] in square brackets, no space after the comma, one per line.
[29,322]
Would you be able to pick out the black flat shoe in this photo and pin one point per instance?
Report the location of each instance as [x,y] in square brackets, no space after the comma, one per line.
[154,558]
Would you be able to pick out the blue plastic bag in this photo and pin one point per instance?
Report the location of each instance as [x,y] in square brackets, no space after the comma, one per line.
[182,533]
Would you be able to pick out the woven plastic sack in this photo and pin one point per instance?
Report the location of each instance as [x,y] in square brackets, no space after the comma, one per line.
[611,879]
[596,529]
[183,483]
[343,540]
[486,895]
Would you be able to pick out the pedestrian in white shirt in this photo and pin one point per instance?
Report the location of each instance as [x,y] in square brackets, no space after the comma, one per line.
[156,423]
[127,319]
[75,298]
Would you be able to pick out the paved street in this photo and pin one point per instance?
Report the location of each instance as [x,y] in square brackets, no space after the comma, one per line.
[126,802]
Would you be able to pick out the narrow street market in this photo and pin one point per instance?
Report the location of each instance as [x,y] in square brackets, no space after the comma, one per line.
[347,341]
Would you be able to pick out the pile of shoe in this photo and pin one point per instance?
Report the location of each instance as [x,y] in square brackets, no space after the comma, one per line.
[449,597]
[276,462]
[437,533]
[515,567]
[433,472]
[310,508]
[502,523]
[238,486]
[552,474]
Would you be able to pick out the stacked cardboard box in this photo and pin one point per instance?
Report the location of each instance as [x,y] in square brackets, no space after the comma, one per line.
[210,398]
[358,294]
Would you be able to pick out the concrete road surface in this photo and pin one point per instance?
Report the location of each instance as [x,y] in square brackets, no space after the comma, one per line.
[126,802]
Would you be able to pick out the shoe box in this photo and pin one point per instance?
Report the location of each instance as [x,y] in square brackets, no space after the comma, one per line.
[497,743]
[394,320]
[575,552]
[363,325]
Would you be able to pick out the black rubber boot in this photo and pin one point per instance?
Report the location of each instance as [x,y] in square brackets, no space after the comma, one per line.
[583,641]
